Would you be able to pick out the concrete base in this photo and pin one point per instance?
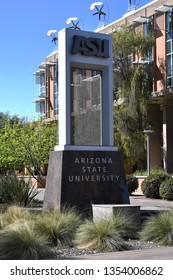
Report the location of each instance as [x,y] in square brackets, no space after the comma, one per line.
[107,211]
[81,178]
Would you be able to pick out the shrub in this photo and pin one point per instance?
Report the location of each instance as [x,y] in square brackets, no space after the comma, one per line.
[166,189]
[1,222]
[21,242]
[14,213]
[132,183]
[15,191]
[100,236]
[154,171]
[60,228]
[151,185]
[106,234]
[159,228]
[124,225]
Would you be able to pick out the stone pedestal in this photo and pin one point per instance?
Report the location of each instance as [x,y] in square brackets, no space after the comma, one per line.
[83,178]
[107,211]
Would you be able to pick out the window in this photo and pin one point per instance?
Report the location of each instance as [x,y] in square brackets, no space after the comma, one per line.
[40,104]
[56,101]
[42,85]
[147,29]
[169,48]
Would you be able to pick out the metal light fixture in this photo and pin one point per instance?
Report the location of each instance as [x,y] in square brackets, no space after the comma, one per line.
[148,134]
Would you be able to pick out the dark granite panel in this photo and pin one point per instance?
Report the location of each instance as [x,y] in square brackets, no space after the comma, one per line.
[87,177]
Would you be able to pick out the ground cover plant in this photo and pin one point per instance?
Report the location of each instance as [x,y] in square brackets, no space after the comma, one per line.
[16,191]
[100,236]
[14,214]
[159,228]
[26,235]
[60,227]
[20,241]
[106,234]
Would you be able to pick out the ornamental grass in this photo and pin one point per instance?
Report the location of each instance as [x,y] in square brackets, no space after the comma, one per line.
[20,241]
[159,228]
[13,214]
[100,236]
[60,228]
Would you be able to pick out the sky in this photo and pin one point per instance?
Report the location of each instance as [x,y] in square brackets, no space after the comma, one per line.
[24,44]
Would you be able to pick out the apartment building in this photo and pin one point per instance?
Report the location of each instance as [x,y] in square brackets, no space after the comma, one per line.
[158,17]
[46,77]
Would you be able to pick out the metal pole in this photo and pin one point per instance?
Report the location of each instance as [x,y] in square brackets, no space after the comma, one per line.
[148,133]
[148,154]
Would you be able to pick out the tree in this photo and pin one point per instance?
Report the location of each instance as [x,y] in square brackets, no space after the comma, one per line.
[8,160]
[27,144]
[132,89]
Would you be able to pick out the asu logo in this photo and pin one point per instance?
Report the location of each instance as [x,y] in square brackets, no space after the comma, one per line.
[90,46]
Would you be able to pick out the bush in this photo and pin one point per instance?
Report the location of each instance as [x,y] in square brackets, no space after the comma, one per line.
[159,228]
[60,228]
[132,183]
[15,191]
[124,225]
[151,185]
[154,171]
[21,242]
[14,214]
[100,236]
[106,234]
[166,189]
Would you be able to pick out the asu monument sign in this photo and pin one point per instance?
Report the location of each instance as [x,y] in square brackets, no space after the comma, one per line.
[85,168]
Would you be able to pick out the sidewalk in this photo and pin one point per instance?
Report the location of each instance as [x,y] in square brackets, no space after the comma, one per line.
[161,253]
[148,204]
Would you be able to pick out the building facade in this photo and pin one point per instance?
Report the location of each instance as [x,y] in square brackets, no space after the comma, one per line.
[47,79]
[158,17]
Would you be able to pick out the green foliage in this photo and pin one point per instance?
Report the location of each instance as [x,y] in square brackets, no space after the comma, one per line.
[153,171]
[100,236]
[151,185]
[132,183]
[59,227]
[159,228]
[106,234]
[166,189]
[16,191]
[14,214]
[19,241]
[124,224]
[26,143]
[132,88]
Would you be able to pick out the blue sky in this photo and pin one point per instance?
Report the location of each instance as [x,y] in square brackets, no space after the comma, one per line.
[24,44]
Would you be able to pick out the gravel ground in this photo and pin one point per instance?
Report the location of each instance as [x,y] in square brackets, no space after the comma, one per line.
[133,245]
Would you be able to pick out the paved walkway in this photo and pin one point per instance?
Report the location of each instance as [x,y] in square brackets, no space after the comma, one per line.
[150,204]
[162,253]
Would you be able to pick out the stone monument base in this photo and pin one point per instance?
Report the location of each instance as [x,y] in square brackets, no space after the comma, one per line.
[107,211]
[81,178]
